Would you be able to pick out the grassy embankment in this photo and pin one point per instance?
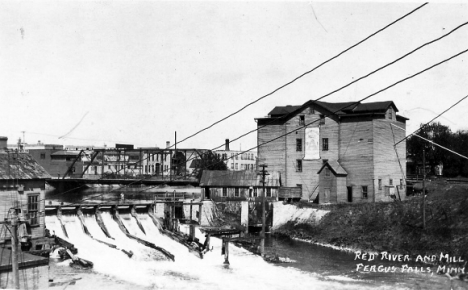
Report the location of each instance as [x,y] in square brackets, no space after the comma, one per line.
[397,226]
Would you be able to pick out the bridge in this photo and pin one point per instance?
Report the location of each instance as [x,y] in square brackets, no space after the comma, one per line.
[72,183]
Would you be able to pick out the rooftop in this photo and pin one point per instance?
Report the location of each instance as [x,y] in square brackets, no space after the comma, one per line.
[341,109]
[26,260]
[20,166]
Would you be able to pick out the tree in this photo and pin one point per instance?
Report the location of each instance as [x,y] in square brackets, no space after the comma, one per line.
[208,161]
[453,165]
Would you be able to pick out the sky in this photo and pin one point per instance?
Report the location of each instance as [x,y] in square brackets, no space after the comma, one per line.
[136,72]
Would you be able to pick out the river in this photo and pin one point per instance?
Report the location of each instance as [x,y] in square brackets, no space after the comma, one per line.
[315,267]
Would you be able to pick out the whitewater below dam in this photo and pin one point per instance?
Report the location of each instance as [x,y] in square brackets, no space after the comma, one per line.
[150,269]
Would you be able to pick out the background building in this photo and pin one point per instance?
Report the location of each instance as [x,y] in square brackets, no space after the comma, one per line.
[237,160]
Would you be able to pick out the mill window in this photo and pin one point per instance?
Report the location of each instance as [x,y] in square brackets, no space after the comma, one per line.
[322,120]
[298,165]
[301,120]
[364,191]
[298,145]
[324,144]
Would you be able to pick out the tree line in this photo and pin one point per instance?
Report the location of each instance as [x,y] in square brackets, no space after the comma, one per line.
[452,164]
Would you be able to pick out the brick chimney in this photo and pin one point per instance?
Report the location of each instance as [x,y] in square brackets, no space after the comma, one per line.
[226,146]
[3,143]
[168,144]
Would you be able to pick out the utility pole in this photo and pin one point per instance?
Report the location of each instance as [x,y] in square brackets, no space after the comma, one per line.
[262,241]
[424,189]
[14,249]
[175,151]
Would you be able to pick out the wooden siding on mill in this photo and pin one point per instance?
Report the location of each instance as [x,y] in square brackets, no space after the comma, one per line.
[309,178]
[341,193]
[385,158]
[273,153]
[356,156]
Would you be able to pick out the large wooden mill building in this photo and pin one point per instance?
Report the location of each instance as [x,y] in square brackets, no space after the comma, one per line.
[336,152]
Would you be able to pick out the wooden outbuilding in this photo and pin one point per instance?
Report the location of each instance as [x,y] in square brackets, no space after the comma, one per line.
[226,185]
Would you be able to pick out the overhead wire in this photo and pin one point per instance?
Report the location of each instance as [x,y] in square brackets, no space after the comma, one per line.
[352,104]
[304,74]
[357,102]
[360,78]
[434,143]
[323,63]
[445,111]
[370,74]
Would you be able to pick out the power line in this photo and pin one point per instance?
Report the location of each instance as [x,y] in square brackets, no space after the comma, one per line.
[346,106]
[430,141]
[302,75]
[357,102]
[323,63]
[358,79]
[420,128]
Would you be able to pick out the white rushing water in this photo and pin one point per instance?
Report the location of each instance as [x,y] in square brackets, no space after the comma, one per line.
[150,270]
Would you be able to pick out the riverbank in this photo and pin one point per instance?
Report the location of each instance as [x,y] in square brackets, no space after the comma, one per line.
[393,227]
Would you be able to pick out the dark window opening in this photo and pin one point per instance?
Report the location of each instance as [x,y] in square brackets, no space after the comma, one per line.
[178,212]
[364,191]
[301,120]
[236,191]
[322,120]
[268,192]
[298,144]
[380,184]
[325,144]
[298,165]
[42,155]
[224,191]
[350,193]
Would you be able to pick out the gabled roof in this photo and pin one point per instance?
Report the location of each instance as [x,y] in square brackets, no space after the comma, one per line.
[372,107]
[339,109]
[244,178]
[335,167]
[283,110]
[20,166]
[336,108]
